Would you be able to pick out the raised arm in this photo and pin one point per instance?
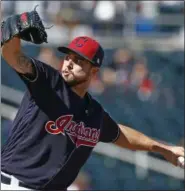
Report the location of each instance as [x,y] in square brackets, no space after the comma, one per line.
[12,54]
[26,26]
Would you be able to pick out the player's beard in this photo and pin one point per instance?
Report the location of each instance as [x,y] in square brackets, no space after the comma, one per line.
[77,81]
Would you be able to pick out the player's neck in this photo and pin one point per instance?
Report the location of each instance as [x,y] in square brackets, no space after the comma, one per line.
[80,91]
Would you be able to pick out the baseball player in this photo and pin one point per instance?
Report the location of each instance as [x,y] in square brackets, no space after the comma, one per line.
[59,123]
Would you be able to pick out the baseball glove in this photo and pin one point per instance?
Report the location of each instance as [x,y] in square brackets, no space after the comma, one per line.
[28,26]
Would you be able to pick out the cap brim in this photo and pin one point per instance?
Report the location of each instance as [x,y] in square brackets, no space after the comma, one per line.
[67,50]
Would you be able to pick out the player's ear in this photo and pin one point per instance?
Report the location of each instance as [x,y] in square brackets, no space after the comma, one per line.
[94,70]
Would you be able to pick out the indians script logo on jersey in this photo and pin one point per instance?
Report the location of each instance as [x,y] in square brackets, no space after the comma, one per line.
[78,133]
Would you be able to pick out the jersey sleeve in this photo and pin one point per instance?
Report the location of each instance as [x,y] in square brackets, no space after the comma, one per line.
[45,74]
[110,129]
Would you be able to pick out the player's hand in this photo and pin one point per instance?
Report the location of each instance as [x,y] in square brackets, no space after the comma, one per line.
[32,28]
[172,154]
[28,26]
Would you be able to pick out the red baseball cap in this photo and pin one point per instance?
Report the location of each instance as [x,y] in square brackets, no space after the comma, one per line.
[87,48]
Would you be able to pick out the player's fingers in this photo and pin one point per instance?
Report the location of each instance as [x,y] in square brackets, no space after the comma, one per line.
[180,162]
[182,151]
[181,148]
[179,151]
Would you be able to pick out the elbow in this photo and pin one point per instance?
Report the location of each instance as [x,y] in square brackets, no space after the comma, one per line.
[124,139]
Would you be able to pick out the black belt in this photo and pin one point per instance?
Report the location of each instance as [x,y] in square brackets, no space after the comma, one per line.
[7,180]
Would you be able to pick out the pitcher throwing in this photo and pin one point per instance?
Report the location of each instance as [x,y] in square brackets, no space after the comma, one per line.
[59,123]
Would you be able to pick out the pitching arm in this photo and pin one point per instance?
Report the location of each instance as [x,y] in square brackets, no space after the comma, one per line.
[135,140]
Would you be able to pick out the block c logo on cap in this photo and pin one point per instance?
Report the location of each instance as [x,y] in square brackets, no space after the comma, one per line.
[81,41]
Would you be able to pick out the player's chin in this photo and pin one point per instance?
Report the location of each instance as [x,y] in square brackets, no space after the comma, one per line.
[75,82]
[72,83]
[68,77]
[70,80]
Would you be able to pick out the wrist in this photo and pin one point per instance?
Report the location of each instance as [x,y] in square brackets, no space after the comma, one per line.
[160,148]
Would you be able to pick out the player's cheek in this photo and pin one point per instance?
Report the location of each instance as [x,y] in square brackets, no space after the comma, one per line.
[61,64]
[78,71]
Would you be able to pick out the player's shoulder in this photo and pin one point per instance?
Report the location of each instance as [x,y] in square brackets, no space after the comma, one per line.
[42,64]
[50,73]
[46,68]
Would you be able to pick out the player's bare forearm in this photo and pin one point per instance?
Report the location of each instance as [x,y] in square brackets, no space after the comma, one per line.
[135,140]
[12,54]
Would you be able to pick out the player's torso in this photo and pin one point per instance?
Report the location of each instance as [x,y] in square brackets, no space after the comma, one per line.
[52,137]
